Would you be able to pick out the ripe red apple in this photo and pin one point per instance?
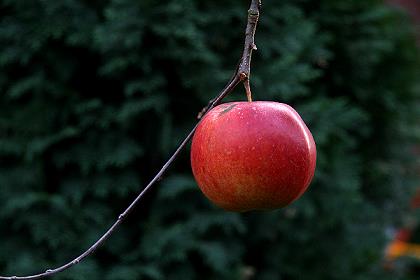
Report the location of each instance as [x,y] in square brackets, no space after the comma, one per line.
[253,155]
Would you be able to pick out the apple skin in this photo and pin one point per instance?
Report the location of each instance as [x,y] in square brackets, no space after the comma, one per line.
[253,155]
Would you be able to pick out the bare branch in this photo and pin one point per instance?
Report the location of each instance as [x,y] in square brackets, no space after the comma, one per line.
[242,73]
[249,46]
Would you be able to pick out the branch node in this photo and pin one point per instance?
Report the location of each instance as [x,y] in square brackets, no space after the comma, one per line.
[253,12]
[243,76]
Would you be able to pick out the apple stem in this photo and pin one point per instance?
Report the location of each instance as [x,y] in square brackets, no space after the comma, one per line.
[248,90]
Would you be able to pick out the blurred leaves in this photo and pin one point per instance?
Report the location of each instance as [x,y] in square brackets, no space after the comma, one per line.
[94,96]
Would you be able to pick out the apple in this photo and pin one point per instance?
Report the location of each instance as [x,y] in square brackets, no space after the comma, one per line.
[253,155]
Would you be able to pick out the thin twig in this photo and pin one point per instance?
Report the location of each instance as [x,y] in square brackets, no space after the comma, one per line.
[211,103]
[242,73]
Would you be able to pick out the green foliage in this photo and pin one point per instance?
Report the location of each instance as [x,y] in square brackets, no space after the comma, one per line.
[94,95]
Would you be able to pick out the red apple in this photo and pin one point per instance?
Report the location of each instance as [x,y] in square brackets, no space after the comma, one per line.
[253,155]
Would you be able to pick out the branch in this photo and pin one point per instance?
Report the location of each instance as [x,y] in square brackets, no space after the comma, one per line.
[249,46]
[241,74]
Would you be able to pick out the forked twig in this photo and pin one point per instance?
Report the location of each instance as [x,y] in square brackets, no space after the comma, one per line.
[241,74]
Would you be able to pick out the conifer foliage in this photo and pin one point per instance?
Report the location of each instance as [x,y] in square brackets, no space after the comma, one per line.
[94,95]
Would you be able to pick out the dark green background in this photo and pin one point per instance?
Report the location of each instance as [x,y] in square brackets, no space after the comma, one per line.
[95,95]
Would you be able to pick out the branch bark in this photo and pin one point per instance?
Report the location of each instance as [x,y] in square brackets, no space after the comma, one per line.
[241,74]
[249,46]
